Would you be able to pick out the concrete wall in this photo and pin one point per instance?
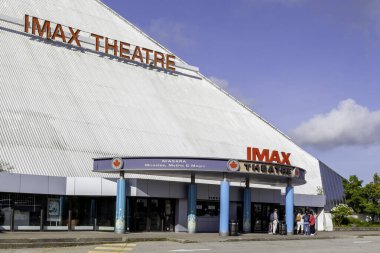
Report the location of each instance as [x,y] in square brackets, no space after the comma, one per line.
[158,189]
[208,224]
[181,215]
[307,200]
[266,195]
[20,183]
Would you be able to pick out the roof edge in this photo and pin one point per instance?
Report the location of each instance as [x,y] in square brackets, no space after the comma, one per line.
[207,79]
[139,30]
[215,85]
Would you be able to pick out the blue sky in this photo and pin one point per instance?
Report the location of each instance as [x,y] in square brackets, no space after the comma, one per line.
[311,68]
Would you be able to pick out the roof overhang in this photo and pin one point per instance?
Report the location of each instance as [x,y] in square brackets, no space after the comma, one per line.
[205,168]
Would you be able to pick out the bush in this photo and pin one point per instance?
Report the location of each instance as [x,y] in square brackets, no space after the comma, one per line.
[354,222]
[340,213]
[357,222]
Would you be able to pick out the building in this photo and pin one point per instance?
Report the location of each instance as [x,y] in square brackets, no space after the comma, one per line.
[78,81]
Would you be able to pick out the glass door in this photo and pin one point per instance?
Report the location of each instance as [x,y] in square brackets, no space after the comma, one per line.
[260,217]
[168,215]
[141,214]
[257,218]
[161,215]
[155,214]
[152,214]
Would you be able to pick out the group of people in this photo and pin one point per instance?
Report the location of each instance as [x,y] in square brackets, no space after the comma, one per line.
[305,223]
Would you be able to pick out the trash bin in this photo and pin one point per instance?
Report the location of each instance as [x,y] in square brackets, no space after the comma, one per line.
[233,228]
[282,228]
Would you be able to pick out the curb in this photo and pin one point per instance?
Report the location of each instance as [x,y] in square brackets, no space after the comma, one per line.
[70,242]
[285,238]
[356,229]
[57,242]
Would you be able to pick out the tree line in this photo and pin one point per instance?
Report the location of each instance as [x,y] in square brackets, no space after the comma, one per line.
[363,199]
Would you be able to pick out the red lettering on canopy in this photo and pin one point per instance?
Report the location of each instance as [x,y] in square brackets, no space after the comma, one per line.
[260,156]
[265,155]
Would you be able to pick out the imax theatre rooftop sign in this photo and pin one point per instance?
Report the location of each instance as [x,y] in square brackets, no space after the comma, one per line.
[54,31]
[265,161]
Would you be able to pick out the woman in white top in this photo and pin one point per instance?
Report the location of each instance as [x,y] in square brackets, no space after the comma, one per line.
[299,221]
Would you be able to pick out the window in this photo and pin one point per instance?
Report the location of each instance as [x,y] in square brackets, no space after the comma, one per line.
[207,208]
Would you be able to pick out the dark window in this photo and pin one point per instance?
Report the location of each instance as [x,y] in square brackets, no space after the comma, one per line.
[207,208]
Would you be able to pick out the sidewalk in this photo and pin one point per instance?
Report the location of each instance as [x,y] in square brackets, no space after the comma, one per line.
[61,239]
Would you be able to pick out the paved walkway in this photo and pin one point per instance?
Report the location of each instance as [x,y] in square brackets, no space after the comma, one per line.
[51,239]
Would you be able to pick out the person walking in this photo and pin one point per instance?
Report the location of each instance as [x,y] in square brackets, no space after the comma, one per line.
[271,218]
[306,224]
[312,224]
[299,223]
[275,221]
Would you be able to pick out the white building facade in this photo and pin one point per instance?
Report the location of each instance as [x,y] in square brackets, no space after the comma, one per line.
[70,92]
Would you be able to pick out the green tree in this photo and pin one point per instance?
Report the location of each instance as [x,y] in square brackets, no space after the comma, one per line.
[372,194]
[355,194]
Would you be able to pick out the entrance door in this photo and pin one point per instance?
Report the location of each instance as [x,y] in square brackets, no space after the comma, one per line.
[260,216]
[139,215]
[259,219]
[152,214]
[239,215]
[168,218]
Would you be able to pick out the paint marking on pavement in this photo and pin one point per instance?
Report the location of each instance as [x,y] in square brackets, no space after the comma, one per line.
[113,248]
[43,250]
[93,251]
[188,250]
[120,244]
[361,241]
[108,250]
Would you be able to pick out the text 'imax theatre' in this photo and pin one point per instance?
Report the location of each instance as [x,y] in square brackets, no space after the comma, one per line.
[103,128]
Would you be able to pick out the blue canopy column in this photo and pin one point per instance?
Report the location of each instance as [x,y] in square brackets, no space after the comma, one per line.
[247,208]
[224,206]
[120,205]
[192,206]
[289,208]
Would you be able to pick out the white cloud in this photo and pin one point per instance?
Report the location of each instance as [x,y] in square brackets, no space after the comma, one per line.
[170,32]
[348,124]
